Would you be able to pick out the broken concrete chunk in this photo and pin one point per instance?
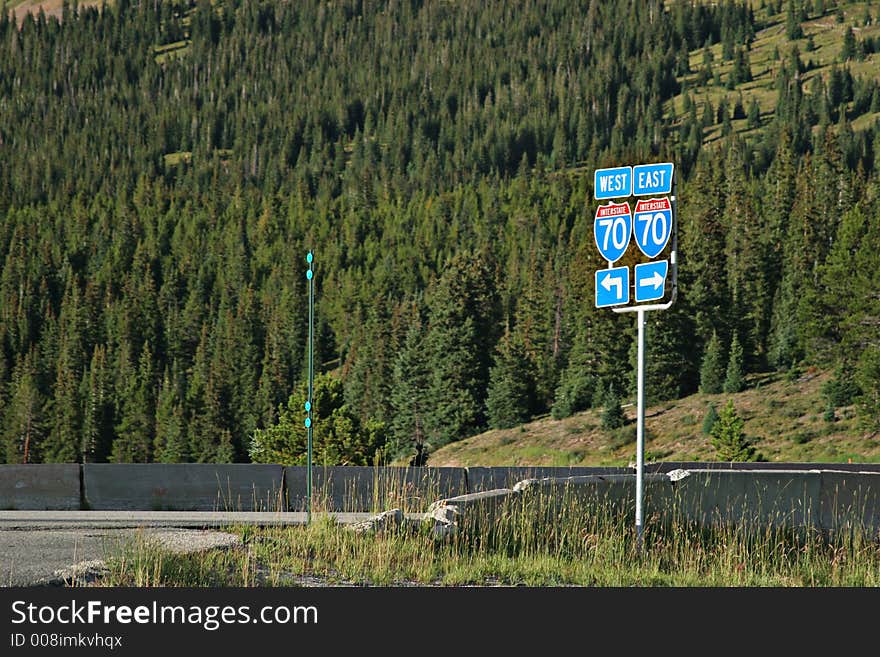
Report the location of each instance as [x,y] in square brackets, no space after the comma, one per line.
[390,519]
[678,475]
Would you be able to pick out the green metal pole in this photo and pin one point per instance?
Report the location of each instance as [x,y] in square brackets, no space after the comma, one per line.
[310,275]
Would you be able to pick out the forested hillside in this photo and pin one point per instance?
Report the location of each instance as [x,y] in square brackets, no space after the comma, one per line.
[164,168]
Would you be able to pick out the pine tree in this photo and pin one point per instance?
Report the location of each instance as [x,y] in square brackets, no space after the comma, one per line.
[612,413]
[705,292]
[745,251]
[709,419]
[733,379]
[753,120]
[338,436]
[712,370]
[848,48]
[793,29]
[134,432]
[463,330]
[25,420]
[511,386]
[170,445]
[577,383]
[728,436]
[868,379]
[409,396]
[97,396]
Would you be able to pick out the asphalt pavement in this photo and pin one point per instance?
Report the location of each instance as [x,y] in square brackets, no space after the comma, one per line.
[61,547]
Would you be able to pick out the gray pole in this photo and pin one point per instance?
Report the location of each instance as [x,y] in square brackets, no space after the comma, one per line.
[309,405]
[640,432]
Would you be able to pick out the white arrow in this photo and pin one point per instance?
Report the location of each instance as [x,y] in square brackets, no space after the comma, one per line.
[655,281]
[614,281]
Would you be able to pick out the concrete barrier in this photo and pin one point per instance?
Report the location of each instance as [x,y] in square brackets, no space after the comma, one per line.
[611,494]
[489,478]
[850,500]
[182,487]
[669,466]
[51,486]
[472,512]
[363,488]
[759,497]
[828,496]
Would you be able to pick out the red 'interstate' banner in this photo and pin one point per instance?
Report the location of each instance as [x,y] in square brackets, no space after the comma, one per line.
[613,210]
[652,205]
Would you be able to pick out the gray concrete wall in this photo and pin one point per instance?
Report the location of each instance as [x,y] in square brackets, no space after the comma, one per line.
[669,466]
[762,497]
[826,496]
[489,478]
[850,500]
[40,487]
[364,488]
[603,493]
[182,487]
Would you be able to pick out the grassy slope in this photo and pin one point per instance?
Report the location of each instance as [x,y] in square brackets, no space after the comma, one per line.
[49,7]
[785,417]
[828,39]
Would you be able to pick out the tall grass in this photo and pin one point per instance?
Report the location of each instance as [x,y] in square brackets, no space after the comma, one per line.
[535,540]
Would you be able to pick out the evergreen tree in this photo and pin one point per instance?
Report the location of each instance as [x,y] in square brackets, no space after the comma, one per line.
[98,421]
[577,383]
[170,445]
[848,48]
[612,413]
[709,419]
[409,401]
[134,441]
[734,380]
[728,436]
[338,437]
[462,331]
[511,387]
[712,370]
[753,120]
[793,29]
[25,419]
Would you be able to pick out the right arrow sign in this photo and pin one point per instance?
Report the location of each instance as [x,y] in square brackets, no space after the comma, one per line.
[650,280]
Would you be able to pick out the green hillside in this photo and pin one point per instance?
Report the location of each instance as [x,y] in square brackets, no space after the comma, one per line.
[783,416]
[821,47]
[165,166]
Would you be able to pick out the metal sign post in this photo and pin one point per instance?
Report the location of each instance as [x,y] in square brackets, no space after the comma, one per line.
[653,225]
[310,275]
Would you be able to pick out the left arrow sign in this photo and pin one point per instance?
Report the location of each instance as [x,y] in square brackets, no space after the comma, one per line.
[612,287]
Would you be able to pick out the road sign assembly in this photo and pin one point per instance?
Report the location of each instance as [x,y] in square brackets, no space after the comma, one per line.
[652,223]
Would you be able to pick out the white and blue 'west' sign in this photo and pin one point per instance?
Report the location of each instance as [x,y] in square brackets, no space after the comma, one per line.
[650,179]
[612,183]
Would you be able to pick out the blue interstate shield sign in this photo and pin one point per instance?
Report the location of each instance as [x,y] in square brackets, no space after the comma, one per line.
[611,228]
[652,225]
